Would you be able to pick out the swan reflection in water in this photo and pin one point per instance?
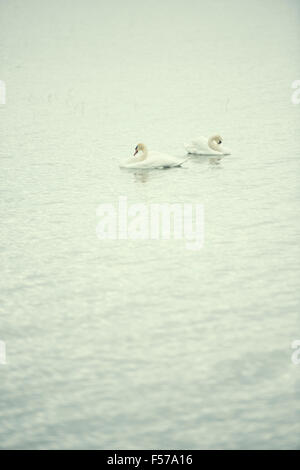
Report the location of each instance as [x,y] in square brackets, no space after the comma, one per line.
[214,161]
[141,176]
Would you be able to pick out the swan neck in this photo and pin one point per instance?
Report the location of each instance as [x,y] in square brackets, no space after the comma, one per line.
[213,144]
[144,154]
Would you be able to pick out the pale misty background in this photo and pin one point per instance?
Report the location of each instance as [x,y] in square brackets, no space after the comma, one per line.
[145,344]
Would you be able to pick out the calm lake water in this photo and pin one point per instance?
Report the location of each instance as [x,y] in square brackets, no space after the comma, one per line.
[145,344]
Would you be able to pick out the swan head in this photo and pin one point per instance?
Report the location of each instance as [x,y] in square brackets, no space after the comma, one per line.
[139,148]
[218,139]
[214,142]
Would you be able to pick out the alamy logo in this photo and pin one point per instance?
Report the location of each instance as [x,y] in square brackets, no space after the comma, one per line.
[2,352]
[164,221]
[2,92]
[296,354]
[296,95]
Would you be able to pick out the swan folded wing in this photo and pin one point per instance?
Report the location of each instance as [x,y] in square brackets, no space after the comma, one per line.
[201,143]
[197,146]
[164,160]
[127,163]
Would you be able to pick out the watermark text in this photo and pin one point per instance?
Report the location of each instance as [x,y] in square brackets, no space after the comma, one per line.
[163,221]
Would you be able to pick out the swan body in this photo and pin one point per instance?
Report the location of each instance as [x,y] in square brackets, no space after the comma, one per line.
[144,159]
[207,146]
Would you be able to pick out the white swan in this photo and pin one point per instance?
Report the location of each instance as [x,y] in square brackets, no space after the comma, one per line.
[144,159]
[205,146]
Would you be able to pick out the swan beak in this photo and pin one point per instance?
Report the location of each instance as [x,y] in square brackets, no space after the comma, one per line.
[135,152]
